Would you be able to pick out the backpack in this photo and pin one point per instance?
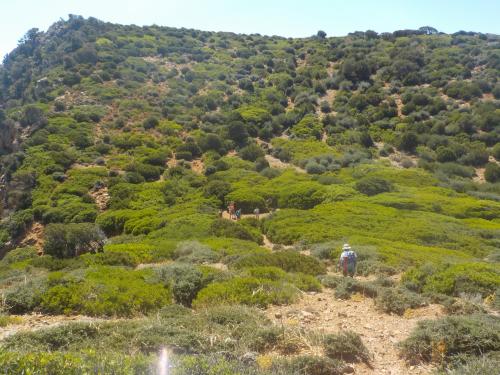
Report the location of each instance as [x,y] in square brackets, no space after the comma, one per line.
[351,257]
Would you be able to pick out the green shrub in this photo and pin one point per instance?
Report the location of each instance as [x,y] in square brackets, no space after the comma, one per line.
[251,152]
[435,340]
[19,254]
[470,278]
[195,252]
[308,127]
[290,261]
[86,362]
[304,282]
[246,290]
[345,287]
[484,364]
[373,185]
[308,364]
[228,228]
[184,280]
[322,251]
[6,320]
[492,172]
[346,346]
[69,240]
[247,200]
[25,297]
[398,300]
[301,195]
[104,291]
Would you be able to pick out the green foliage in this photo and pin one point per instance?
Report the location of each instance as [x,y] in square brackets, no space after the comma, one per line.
[346,346]
[373,185]
[398,300]
[184,280]
[308,127]
[246,290]
[472,278]
[308,364]
[434,340]
[228,228]
[246,199]
[104,291]
[74,363]
[492,172]
[69,240]
[20,254]
[288,261]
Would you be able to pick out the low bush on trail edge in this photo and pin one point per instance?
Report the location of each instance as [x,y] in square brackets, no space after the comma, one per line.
[440,340]
[346,346]
[289,261]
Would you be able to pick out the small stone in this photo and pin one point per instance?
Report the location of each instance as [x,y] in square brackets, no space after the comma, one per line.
[348,370]
[278,315]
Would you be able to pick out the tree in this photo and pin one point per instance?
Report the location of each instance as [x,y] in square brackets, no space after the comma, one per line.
[428,30]
[373,185]
[251,152]
[150,123]
[70,240]
[237,132]
[321,34]
[408,142]
[492,172]
[445,154]
[356,71]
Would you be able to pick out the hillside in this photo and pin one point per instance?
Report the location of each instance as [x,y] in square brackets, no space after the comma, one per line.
[122,147]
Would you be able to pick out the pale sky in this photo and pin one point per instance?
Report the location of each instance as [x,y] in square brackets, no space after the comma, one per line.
[291,18]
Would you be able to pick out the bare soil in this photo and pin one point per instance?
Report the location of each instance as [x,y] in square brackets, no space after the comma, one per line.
[34,237]
[380,332]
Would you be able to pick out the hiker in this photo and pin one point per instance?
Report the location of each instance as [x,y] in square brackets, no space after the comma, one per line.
[230,210]
[256,212]
[347,261]
[269,204]
[238,214]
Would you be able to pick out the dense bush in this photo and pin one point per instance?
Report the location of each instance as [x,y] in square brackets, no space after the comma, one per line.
[248,291]
[74,363]
[373,185]
[289,261]
[184,280]
[346,346]
[435,340]
[104,291]
[228,228]
[69,240]
[398,300]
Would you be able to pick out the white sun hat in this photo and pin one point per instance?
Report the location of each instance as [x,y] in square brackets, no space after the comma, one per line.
[346,247]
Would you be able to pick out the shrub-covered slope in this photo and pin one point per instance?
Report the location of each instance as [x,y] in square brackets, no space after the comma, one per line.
[121,145]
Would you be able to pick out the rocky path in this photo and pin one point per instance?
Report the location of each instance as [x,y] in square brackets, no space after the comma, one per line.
[380,332]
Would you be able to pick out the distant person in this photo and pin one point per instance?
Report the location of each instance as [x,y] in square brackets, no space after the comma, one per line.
[347,261]
[230,210]
[269,204]
[256,212]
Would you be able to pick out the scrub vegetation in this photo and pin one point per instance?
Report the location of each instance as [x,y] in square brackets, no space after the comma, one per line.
[122,147]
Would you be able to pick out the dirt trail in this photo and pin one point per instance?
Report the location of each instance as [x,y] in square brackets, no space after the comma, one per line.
[380,332]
